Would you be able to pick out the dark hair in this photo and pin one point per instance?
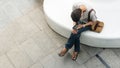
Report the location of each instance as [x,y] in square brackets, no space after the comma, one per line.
[76,14]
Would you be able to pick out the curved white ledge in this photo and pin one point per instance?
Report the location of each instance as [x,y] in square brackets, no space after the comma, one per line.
[58,12]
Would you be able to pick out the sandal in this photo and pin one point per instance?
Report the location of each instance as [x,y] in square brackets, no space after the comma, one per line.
[63,52]
[74,56]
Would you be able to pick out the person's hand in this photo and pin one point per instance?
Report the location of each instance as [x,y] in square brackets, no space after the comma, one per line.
[74,31]
[79,26]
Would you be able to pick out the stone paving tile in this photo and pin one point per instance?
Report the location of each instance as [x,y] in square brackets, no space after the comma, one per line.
[4,62]
[22,29]
[19,58]
[44,42]
[110,58]
[5,47]
[37,65]
[2,13]
[11,10]
[23,5]
[12,28]
[26,23]
[55,36]
[6,43]
[37,17]
[48,62]
[31,49]
[4,19]
[36,2]
[94,62]
[116,51]
[92,51]
[16,32]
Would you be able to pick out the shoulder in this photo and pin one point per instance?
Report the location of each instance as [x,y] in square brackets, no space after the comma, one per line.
[93,12]
[93,15]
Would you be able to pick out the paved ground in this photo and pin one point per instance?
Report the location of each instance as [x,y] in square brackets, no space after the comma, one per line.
[26,41]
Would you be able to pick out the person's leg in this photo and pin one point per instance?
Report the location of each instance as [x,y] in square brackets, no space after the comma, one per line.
[76,49]
[68,45]
[77,42]
[70,41]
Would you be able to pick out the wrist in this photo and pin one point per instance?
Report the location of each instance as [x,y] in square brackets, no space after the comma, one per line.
[83,26]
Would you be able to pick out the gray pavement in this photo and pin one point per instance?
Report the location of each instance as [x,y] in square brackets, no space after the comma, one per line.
[26,41]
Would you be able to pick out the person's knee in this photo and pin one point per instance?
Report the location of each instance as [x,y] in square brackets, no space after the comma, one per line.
[79,32]
[74,35]
[77,36]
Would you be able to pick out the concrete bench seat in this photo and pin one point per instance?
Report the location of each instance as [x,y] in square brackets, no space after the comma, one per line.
[58,12]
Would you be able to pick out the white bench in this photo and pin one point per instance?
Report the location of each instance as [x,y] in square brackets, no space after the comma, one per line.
[58,12]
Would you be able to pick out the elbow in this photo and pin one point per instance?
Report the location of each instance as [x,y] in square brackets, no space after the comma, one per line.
[91,22]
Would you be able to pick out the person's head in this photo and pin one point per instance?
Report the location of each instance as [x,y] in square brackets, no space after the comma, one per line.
[76,15]
[83,7]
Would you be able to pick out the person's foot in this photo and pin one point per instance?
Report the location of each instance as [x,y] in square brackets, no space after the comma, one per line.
[63,52]
[74,56]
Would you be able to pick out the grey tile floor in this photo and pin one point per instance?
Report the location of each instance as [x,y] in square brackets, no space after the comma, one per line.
[26,41]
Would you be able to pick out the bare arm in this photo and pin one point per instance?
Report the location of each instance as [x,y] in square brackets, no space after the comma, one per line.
[89,23]
[84,25]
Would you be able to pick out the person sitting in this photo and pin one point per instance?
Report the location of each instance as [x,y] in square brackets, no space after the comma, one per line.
[79,17]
